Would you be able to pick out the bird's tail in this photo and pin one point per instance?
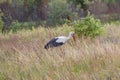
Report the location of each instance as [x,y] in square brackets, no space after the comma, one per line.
[46,46]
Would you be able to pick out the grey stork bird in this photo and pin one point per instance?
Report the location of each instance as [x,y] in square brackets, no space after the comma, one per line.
[58,41]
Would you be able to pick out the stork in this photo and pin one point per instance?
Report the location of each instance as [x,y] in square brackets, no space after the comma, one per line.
[59,41]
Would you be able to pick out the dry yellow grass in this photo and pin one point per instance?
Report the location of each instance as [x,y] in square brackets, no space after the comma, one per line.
[23,57]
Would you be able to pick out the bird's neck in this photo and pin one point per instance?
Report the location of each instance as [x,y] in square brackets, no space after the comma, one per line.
[69,36]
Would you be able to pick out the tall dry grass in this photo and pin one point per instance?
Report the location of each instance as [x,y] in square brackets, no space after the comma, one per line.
[23,57]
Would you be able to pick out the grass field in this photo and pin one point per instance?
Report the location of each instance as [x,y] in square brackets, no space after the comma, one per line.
[23,57]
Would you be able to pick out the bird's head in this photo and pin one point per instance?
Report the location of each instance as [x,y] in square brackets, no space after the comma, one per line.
[73,35]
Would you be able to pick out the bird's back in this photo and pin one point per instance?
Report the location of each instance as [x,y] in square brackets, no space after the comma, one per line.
[62,39]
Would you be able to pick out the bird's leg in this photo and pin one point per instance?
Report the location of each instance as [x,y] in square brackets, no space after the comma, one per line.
[62,54]
[51,52]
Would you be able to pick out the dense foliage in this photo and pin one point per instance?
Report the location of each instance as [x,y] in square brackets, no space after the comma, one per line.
[83,3]
[58,12]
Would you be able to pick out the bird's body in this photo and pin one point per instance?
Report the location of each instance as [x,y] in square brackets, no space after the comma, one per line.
[58,41]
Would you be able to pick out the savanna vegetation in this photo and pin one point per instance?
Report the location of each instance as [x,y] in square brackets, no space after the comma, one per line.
[27,25]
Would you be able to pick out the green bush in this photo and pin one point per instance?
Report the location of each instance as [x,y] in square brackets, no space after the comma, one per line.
[89,27]
[22,25]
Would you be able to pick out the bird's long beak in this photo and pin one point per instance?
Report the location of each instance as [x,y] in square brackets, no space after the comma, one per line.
[74,38]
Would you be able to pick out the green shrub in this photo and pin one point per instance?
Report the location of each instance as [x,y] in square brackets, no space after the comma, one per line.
[22,25]
[89,27]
